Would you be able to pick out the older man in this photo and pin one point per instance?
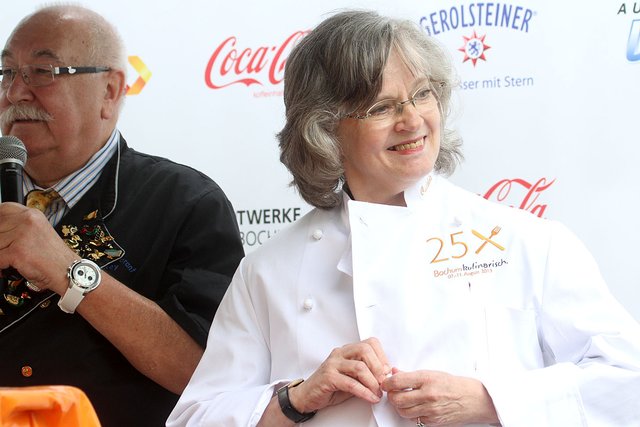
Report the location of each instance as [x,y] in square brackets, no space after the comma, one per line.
[163,236]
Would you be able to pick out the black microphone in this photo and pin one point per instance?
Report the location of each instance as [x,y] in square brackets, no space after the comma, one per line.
[13,156]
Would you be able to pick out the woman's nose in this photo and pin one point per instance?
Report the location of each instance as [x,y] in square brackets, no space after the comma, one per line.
[409,117]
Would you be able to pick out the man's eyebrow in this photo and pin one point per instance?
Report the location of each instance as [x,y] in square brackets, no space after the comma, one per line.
[42,53]
[45,53]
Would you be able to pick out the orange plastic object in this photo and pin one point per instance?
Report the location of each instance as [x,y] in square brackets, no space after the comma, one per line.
[46,406]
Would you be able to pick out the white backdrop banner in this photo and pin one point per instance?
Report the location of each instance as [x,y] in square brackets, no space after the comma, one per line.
[548,104]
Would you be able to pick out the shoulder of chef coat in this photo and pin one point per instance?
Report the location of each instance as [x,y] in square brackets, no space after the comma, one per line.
[327,226]
[469,208]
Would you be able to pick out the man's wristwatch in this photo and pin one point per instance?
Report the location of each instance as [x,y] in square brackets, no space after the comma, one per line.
[84,277]
[287,408]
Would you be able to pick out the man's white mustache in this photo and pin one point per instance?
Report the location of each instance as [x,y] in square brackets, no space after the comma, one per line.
[23,112]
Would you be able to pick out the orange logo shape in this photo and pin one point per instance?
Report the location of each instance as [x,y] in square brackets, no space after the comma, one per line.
[143,75]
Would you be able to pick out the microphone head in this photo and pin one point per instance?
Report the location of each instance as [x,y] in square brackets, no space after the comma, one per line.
[12,150]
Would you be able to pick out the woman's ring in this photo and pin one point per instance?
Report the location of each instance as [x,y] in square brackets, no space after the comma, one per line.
[419,423]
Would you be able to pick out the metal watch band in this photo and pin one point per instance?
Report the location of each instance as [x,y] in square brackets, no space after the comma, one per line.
[287,408]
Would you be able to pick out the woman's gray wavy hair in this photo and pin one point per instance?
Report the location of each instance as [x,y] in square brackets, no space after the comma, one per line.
[337,69]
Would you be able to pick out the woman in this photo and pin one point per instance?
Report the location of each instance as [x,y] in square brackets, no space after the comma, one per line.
[402,299]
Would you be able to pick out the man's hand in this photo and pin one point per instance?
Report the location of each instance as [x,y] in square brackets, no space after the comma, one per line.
[30,244]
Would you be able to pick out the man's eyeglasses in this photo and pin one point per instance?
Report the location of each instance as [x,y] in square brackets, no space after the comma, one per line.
[386,111]
[42,75]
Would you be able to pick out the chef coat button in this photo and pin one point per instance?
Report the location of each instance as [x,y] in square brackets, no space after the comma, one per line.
[26,371]
[317,234]
[308,304]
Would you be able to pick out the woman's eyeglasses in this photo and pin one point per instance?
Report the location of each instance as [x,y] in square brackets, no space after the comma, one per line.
[424,100]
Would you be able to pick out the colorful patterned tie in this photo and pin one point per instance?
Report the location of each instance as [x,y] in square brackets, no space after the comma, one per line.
[40,199]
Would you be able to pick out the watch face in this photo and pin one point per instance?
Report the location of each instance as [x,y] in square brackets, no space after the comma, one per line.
[86,276]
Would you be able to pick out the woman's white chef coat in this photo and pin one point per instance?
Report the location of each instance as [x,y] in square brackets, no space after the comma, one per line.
[452,282]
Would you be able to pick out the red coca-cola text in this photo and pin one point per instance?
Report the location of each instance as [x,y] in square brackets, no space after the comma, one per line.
[229,65]
[501,191]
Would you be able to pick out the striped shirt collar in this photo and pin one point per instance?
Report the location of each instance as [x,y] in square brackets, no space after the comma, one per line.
[74,186]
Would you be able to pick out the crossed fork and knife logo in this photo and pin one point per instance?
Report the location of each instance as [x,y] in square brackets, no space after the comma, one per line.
[493,233]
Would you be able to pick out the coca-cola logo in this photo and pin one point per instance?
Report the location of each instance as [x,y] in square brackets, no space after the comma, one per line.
[520,193]
[231,64]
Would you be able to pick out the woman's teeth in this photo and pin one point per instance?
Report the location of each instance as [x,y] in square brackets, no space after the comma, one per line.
[410,146]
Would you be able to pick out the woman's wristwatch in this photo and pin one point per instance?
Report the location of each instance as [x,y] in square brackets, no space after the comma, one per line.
[287,408]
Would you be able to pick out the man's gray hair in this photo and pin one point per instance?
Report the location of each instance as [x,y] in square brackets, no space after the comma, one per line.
[104,47]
